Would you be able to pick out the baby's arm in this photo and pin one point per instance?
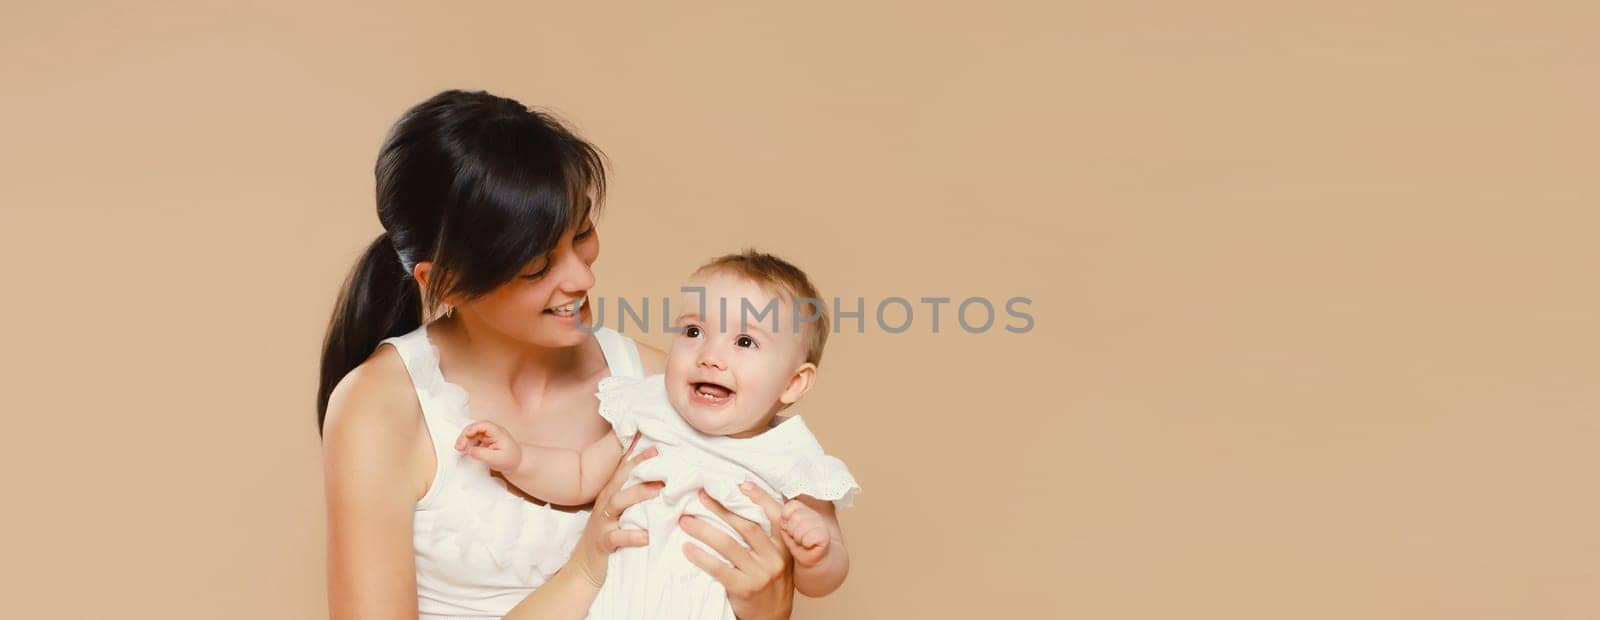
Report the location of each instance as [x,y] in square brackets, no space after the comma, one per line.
[812,533]
[557,475]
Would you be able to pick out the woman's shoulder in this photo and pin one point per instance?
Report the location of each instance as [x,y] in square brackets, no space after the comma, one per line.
[375,408]
[375,423]
[377,456]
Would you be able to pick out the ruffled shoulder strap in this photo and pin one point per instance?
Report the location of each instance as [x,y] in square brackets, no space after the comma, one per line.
[811,472]
[823,477]
[442,401]
[625,400]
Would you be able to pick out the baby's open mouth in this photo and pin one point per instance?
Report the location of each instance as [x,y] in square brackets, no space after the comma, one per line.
[710,394]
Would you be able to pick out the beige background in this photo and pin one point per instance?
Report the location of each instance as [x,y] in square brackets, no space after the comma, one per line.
[1314,287]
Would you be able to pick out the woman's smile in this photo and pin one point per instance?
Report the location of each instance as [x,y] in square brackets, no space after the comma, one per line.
[564,313]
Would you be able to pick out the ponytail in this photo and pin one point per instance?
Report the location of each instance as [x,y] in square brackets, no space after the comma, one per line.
[477,185]
[378,301]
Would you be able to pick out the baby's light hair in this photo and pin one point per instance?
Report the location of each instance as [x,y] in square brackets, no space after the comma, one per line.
[782,278]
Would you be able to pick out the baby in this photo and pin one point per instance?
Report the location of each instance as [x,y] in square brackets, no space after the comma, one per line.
[748,348]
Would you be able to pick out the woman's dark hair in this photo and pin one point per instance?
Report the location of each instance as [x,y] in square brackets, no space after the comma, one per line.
[477,184]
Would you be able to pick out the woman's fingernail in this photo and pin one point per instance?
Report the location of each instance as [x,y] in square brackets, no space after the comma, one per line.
[747,487]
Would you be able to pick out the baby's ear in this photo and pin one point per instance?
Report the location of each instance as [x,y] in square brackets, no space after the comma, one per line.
[800,382]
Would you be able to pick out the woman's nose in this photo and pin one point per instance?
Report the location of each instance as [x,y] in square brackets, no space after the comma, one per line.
[575,274]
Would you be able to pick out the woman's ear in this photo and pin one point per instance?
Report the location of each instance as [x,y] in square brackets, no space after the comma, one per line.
[421,272]
[799,383]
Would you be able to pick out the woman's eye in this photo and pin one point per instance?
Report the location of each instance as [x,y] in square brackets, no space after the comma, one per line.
[536,275]
[746,342]
[691,331]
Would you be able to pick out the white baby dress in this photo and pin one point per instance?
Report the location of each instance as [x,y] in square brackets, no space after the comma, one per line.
[658,581]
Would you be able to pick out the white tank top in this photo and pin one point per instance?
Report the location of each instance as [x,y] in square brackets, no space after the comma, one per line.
[480,549]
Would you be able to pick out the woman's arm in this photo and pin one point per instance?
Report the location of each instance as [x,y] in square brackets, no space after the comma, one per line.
[376,461]
[573,588]
[760,583]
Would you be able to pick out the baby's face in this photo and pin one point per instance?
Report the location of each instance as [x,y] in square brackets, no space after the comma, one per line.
[729,372]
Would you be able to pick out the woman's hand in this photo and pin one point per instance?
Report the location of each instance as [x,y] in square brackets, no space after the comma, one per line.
[603,535]
[571,592]
[760,583]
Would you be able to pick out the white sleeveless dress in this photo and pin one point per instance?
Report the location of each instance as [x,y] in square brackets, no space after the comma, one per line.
[658,581]
[480,549]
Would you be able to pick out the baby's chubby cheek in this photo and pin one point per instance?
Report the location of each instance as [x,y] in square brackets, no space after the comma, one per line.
[678,397]
[677,387]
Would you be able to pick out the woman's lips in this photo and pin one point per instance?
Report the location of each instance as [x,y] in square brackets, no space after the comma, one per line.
[582,313]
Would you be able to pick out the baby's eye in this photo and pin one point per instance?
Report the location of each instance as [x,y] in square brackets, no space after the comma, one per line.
[746,342]
[691,331]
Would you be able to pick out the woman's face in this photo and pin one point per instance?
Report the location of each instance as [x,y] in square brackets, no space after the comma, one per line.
[540,304]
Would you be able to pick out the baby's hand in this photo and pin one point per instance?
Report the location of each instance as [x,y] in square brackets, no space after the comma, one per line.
[805,532]
[492,445]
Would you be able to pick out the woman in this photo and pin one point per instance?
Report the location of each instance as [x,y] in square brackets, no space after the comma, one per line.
[486,208]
